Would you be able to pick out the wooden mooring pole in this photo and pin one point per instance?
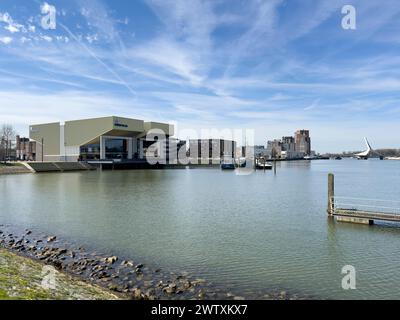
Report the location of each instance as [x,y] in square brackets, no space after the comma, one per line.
[331,193]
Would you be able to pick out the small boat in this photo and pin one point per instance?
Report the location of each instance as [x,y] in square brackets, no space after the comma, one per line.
[309,158]
[241,162]
[262,164]
[338,158]
[227,163]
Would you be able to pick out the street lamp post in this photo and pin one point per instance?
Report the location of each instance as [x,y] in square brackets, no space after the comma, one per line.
[42,149]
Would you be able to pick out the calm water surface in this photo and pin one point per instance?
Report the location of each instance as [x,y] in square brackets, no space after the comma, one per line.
[251,232]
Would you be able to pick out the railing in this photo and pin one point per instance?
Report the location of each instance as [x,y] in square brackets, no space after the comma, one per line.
[391,207]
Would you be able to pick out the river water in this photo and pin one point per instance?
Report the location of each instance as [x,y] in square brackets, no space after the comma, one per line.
[249,232]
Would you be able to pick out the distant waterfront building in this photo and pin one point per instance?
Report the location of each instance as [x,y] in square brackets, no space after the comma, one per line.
[260,151]
[251,151]
[25,149]
[210,150]
[288,144]
[107,138]
[290,147]
[274,148]
[303,141]
[291,155]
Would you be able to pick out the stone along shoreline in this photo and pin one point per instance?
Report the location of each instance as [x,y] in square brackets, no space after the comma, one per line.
[127,278]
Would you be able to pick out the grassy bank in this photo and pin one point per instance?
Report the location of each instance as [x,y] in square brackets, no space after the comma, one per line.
[11,164]
[14,167]
[22,278]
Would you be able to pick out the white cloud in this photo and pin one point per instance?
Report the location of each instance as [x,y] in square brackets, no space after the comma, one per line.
[25,39]
[92,38]
[312,106]
[185,48]
[85,12]
[47,38]
[12,26]
[65,105]
[5,17]
[6,40]
[172,56]
[97,16]
[280,96]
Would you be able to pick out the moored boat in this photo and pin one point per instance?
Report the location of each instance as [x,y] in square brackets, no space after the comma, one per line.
[227,163]
[262,164]
[241,162]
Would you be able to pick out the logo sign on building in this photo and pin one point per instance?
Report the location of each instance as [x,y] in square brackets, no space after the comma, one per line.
[118,123]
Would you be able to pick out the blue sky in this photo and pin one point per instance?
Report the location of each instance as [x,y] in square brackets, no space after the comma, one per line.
[273,66]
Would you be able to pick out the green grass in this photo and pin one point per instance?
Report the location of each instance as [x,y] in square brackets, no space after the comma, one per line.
[11,164]
[20,279]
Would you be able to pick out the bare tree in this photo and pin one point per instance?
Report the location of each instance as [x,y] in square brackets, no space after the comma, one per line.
[7,136]
[2,149]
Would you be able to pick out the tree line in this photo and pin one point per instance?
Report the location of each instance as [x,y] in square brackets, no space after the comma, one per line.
[7,139]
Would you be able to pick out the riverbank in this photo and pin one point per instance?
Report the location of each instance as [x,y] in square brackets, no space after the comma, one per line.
[129,279]
[13,168]
[23,278]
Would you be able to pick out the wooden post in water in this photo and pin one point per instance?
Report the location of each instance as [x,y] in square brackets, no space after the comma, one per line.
[274,167]
[331,193]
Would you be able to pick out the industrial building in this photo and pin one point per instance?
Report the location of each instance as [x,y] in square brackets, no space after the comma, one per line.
[289,148]
[25,149]
[210,150]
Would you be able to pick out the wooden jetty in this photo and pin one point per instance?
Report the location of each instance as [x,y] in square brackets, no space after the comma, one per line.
[360,210]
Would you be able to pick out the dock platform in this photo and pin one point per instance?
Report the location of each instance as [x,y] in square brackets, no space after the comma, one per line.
[360,210]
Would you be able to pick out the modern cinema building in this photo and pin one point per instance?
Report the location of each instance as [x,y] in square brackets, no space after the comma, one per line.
[108,138]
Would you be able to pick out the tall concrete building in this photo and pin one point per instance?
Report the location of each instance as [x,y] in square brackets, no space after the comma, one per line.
[211,150]
[303,141]
[288,144]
